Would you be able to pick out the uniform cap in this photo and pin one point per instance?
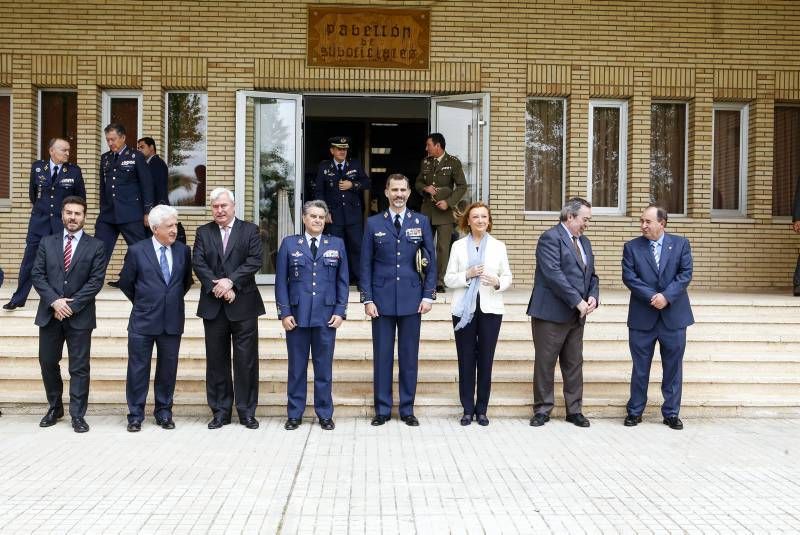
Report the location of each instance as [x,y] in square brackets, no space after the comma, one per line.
[340,142]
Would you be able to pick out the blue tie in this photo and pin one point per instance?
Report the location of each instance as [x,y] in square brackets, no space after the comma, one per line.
[164,264]
[656,256]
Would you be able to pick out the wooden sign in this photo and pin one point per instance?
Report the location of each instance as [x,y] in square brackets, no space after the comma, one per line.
[381,38]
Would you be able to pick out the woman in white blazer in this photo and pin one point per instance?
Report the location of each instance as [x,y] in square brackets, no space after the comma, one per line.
[478,271]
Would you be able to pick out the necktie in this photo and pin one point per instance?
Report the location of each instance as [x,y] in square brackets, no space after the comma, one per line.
[397,222]
[225,239]
[55,174]
[68,252]
[340,168]
[656,256]
[164,264]
[314,247]
[578,252]
[116,156]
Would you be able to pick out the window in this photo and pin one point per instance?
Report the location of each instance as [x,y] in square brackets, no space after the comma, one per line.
[58,117]
[608,155]
[668,155]
[187,115]
[729,162]
[5,147]
[122,106]
[786,159]
[545,124]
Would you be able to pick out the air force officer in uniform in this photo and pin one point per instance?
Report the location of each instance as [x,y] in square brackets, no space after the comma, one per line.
[311,293]
[156,275]
[395,297]
[51,182]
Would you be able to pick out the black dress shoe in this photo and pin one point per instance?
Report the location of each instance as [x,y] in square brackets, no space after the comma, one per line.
[578,419]
[482,420]
[79,425]
[52,416]
[113,284]
[440,289]
[466,419]
[166,423]
[632,421]
[796,291]
[11,305]
[410,420]
[327,424]
[539,420]
[380,420]
[673,422]
[292,424]
[249,422]
[218,421]
[134,427]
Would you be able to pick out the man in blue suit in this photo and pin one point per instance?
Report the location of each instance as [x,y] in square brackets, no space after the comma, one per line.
[159,172]
[51,181]
[341,183]
[657,268]
[156,275]
[395,296]
[126,192]
[311,293]
[566,289]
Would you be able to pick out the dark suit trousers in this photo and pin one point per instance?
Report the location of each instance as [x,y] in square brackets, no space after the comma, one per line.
[672,344]
[475,345]
[140,355]
[563,342]
[221,391]
[109,232]
[320,341]
[25,283]
[444,238]
[383,337]
[796,273]
[51,345]
[352,235]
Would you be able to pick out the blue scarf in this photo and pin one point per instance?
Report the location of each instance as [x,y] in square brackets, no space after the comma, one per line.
[466,308]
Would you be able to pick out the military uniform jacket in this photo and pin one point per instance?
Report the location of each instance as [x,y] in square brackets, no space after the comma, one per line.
[311,289]
[346,207]
[126,187]
[47,194]
[446,174]
[388,263]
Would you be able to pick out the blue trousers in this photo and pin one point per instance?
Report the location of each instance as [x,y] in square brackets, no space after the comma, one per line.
[109,232]
[25,283]
[384,329]
[320,341]
[672,343]
[351,234]
[140,355]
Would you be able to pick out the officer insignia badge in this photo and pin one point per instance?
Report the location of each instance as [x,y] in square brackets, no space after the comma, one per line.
[300,241]
[325,242]
[380,234]
[414,232]
[331,254]
[385,215]
[38,169]
[416,221]
[297,253]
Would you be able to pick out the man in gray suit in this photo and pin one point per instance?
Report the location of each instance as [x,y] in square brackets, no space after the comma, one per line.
[68,273]
[565,290]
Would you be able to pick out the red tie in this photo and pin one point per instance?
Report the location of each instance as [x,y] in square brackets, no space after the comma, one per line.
[68,252]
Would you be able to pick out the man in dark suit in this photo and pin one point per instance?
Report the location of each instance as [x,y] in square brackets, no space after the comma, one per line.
[657,268]
[160,175]
[442,184]
[126,192]
[395,297]
[796,228]
[311,294]
[67,274]
[227,255]
[565,291]
[51,181]
[341,183]
[156,275]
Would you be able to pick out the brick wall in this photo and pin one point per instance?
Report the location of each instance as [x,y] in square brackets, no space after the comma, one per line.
[698,52]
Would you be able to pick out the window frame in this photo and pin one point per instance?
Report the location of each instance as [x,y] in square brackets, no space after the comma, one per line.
[165,142]
[744,125]
[685,152]
[6,202]
[105,114]
[622,187]
[565,103]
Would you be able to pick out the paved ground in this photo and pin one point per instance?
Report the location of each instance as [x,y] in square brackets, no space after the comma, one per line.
[720,476]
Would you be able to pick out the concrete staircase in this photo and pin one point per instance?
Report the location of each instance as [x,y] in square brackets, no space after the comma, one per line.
[743,358]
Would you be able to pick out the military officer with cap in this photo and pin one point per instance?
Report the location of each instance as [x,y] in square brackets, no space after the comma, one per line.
[442,184]
[311,294]
[51,181]
[126,192]
[395,295]
[341,184]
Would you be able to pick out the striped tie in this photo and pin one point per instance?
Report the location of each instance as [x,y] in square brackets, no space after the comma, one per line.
[68,252]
